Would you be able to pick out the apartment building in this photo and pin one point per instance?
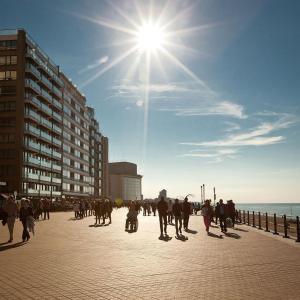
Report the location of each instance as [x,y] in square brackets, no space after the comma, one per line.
[44,125]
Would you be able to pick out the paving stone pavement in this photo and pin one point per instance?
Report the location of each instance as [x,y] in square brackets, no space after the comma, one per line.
[68,259]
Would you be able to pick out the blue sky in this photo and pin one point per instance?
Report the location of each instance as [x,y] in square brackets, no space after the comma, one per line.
[223,99]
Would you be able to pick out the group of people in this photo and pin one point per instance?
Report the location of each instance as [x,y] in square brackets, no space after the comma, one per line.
[180,213]
[25,213]
[101,209]
[168,211]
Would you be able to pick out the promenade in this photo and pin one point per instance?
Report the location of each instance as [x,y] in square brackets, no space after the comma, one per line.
[70,259]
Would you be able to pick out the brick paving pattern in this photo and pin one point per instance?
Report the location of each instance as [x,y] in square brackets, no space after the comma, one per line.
[69,259]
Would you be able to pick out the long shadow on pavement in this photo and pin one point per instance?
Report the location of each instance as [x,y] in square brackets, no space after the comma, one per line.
[191,231]
[11,246]
[215,235]
[233,235]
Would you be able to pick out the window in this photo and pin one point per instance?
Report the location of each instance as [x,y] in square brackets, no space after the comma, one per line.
[7,106]
[67,110]
[66,186]
[66,148]
[9,90]
[66,173]
[7,138]
[8,44]
[7,170]
[67,136]
[67,123]
[8,60]
[7,122]
[7,153]
[8,75]
[67,161]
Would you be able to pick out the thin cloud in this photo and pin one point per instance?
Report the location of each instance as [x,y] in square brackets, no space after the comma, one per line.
[231,144]
[224,108]
[103,60]
[214,156]
[184,99]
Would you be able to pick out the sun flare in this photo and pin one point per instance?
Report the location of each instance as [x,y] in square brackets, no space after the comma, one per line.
[150,37]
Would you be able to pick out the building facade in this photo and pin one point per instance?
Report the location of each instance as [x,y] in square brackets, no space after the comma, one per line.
[44,125]
[124,182]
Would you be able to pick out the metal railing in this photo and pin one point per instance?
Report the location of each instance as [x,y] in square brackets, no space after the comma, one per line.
[278,225]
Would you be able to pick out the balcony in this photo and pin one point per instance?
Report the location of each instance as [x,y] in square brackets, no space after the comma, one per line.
[56,141]
[46,150]
[46,123]
[57,116]
[56,180]
[46,109]
[33,145]
[46,82]
[57,80]
[56,167]
[56,193]
[46,95]
[32,176]
[45,178]
[45,164]
[56,154]
[56,103]
[30,113]
[33,191]
[44,193]
[33,85]
[31,69]
[46,136]
[57,129]
[32,160]
[32,129]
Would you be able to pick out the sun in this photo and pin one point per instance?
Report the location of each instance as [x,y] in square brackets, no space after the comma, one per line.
[150,37]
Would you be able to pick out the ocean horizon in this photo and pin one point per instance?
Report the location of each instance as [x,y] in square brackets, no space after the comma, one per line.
[289,209]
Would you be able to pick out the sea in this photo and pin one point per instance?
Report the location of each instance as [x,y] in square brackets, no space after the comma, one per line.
[289,209]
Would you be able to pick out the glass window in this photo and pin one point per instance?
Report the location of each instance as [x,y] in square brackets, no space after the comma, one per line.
[9,90]
[8,44]
[8,75]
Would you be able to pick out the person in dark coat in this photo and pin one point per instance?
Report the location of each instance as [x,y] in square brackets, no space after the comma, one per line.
[25,212]
[153,206]
[108,209]
[186,210]
[222,215]
[177,213]
[217,212]
[231,211]
[162,207]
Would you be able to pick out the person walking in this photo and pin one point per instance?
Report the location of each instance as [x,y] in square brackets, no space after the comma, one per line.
[186,210]
[153,206]
[46,208]
[25,212]
[108,209]
[11,209]
[162,207]
[222,215]
[170,214]
[217,212]
[206,213]
[177,213]
[231,211]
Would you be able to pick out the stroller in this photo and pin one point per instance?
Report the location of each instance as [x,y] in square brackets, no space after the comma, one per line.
[133,224]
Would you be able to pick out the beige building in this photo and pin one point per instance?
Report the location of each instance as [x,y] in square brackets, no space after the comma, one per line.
[124,182]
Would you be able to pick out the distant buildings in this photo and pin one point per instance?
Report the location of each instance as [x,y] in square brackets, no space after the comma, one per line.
[124,182]
[162,193]
[50,142]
